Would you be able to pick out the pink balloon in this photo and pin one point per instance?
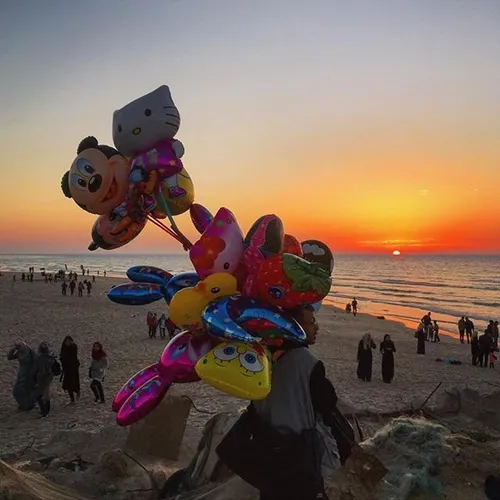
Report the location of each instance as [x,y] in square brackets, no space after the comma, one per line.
[200,217]
[143,401]
[220,248]
[133,383]
[180,356]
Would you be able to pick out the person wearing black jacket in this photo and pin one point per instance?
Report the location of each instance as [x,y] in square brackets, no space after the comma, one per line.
[285,444]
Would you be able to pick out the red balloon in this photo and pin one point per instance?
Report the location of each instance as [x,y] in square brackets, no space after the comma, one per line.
[292,245]
[289,281]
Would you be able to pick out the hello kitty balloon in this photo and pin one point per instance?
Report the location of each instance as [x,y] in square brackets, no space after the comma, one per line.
[144,130]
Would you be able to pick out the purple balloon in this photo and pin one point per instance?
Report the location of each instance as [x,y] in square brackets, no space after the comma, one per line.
[200,217]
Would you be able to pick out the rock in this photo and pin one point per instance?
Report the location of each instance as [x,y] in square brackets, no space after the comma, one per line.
[113,464]
[160,434]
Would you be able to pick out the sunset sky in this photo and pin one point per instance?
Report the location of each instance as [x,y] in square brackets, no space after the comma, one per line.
[371,125]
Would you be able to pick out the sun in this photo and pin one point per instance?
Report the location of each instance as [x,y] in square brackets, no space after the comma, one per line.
[396,253]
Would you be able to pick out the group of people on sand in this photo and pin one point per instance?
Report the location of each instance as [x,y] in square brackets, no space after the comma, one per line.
[365,358]
[484,347]
[37,370]
[163,323]
[81,286]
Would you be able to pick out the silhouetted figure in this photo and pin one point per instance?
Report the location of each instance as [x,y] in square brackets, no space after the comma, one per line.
[387,349]
[427,324]
[348,308]
[420,335]
[64,288]
[70,368]
[365,358]
[469,328]
[485,344]
[72,287]
[354,305]
[474,348]
[435,332]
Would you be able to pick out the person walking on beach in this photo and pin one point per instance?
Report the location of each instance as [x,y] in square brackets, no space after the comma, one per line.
[24,384]
[420,335]
[354,305]
[461,329]
[46,366]
[89,287]
[309,436]
[365,358]
[495,333]
[154,324]
[162,325]
[70,368]
[64,287]
[81,286]
[427,323]
[474,348]
[97,371]
[72,287]
[485,342]
[387,349]
[149,323]
[469,328]
[435,331]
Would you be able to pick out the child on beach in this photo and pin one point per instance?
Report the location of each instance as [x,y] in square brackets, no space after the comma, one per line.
[97,371]
[493,358]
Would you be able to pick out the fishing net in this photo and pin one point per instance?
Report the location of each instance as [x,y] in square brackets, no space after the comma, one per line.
[412,450]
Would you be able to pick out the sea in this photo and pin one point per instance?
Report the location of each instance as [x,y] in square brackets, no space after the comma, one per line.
[402,288]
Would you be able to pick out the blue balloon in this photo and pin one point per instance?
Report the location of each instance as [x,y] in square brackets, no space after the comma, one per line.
[148,274]
[317,305]
[179,282]
[136,294]
[245,319]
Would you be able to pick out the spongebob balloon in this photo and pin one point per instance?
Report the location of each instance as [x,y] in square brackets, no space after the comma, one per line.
[187,305]
[238,369]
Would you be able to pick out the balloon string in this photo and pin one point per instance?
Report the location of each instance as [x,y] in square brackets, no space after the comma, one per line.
[181,238]
[162,227]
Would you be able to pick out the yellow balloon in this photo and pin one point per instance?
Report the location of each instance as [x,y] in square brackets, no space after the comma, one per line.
[188,304]
[237,369]
[180,204]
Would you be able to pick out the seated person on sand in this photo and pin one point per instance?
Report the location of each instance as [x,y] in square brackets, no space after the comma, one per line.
[348,308]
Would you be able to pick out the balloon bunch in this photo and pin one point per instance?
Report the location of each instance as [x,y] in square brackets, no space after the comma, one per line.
[142,178]
[235,310]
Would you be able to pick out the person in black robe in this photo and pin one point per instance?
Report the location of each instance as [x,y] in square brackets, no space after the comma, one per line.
[365,357]
[387,349]
[420,335]
[70,368]
[474,348]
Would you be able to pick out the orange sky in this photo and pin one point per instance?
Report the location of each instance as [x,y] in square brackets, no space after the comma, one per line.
[381,136]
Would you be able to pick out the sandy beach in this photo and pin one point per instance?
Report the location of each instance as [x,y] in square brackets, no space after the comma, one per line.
[38,311]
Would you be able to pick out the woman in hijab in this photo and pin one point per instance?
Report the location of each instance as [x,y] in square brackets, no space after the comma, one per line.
[44,374]
[70,367]
[387,349]
[25,382]
[474,347]
[420,335]
[365,357]
[97,371]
